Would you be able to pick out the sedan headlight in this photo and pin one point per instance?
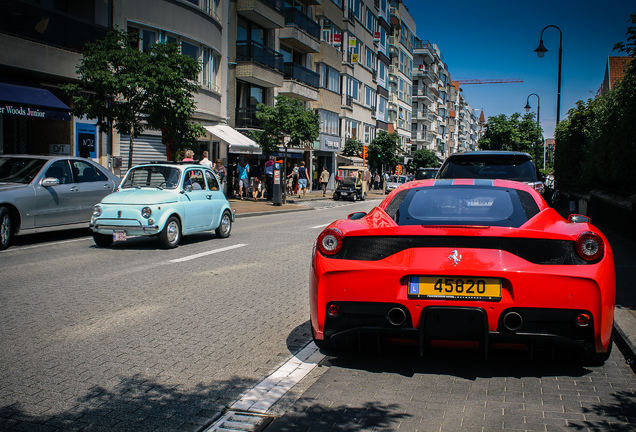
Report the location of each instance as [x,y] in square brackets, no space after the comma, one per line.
[97,211]
[146,212]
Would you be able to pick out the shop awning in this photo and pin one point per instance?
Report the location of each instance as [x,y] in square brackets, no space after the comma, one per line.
[238,143]
[31,102]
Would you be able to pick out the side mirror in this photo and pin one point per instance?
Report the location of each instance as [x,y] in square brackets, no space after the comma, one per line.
[50,181]
[356,215]
[577,218]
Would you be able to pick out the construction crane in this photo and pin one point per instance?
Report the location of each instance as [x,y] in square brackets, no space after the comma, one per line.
[487,81]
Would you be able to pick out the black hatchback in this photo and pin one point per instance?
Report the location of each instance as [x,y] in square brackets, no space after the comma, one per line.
[487,164]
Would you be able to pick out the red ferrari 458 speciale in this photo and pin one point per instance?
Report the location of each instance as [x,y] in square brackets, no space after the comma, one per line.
[463,262]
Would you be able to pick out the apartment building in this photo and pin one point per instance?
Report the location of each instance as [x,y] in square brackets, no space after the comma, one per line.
[401,46]
[42,44]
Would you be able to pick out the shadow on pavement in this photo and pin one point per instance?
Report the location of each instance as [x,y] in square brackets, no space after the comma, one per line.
[137,403]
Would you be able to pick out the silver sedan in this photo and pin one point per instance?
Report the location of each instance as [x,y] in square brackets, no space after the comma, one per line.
[47,193]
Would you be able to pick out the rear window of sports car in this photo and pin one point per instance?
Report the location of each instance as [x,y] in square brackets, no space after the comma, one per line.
[456,205]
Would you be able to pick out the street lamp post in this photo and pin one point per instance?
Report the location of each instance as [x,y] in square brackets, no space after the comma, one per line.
[541,50]
[527,108]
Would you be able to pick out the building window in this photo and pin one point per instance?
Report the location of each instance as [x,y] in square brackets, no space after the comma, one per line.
[369,97]
[329,122]
[329,78]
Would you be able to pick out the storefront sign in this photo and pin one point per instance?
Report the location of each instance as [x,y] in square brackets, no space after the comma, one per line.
[40,113]
[85,140]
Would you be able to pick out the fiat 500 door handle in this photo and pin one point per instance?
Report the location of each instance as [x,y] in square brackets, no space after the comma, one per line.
[209,197]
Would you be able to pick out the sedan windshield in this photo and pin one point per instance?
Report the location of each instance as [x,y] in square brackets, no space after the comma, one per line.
[19,170]
[152,176]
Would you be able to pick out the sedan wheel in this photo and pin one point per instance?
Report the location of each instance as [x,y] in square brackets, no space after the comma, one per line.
[171,234]
[102,240]
[5,228]
[223,231]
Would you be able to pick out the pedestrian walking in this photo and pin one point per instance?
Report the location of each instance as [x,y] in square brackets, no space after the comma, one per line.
[243,170]
[294,179]
[255,175]
[303,178]
[377,181]
[221,173]
[189,156]
[205,161]
[324,179]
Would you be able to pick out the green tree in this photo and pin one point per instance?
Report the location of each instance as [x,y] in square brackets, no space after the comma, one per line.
[514,133]
[383,151]
[595,144]
[352,147]
[288,123]
[424,158]
[133,90]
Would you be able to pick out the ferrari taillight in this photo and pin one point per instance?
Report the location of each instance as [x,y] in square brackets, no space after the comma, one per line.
[330,241]
[590,246]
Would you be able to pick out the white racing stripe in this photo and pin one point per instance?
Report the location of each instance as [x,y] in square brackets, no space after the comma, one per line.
[202,254]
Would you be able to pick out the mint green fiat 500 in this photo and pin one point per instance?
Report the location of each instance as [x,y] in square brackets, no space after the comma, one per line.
[167,200]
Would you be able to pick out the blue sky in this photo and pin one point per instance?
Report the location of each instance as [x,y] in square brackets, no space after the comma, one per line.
[496,39]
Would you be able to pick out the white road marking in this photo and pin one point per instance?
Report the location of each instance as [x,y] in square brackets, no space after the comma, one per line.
[202,254]
[266,393]
[319,226]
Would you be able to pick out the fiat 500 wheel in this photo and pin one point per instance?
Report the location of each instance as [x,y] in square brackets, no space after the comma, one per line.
[223,231]
[102,240]
[171,234]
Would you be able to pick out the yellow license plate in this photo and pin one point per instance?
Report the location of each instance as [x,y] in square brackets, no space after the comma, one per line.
[465,288]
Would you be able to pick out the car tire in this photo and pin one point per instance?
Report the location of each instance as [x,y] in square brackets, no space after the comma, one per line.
[170,236]
[102,240]
[6,229]
[335,197]
[354,197]
[223,231]
[363,197]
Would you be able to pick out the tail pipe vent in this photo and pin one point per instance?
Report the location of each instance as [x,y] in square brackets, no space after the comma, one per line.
[512,321]
[396,317]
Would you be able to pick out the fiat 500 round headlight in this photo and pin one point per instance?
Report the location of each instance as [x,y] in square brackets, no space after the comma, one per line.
[97,211]
[146,212]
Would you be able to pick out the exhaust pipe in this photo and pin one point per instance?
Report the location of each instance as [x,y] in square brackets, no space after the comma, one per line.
[512,321]
[396,317]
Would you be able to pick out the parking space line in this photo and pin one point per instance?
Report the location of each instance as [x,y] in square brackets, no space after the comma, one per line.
[319,226]
[202,254]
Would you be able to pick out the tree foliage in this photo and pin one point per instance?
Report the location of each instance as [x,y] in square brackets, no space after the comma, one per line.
[424,158]
[514,133]
[383,151]
[352,147]
[134,90]
[596,144]
[288,123]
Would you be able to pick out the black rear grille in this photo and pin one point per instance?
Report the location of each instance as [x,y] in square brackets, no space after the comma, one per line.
[537,251]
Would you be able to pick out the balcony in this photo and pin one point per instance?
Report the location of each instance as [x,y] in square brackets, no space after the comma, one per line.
[267,13]
[348,102]
[246,118]
[300,31]
[23,20]
[300,82]
[259,64]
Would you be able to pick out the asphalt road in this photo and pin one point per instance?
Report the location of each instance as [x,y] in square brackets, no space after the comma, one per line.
[136,338]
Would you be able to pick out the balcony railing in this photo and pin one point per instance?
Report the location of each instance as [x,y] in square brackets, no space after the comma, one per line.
[259,53]
[48,26]
[300,73]
[276,4]
[294,17]
[246,118]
